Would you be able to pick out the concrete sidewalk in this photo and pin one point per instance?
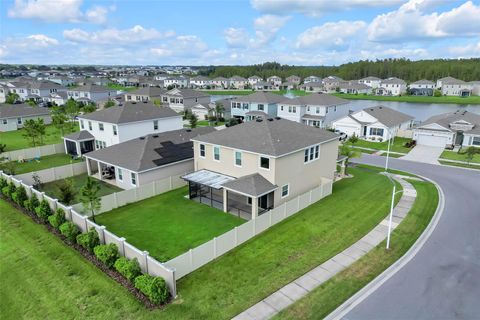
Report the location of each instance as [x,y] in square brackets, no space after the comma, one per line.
[300,287]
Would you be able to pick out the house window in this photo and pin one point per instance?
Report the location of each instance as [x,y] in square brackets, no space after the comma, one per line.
[238,158]
[265,162]
[285,191]
[114,130]
[202,150]
[249,200]
[96,145]
[82,125]
[100,126]
[155,124]
[305,159]
[216,153]
[281,108]
[120,174]
[5,121]
[311,153]
[476,141]
[376,132]
[19,120]
[261,107]
[90,126]
[317,151]
[317,110]
[133,178]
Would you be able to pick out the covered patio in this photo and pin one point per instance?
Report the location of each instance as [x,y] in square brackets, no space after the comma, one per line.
[247,197]
[102,171]
[79,143]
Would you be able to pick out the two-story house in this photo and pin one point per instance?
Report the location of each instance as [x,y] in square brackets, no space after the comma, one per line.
[258,165]
[294,79]
[422,88]
[145,94]
[257,104]
[13,116]
[62,80]
[372,82]
[176,82]
[456,87]
[90,92]
[107,127]
[331,83]
[316,109]
[391,87]
[183,99]
[41,90]
[237,82]
[199,82]
[312,79]
[220,83]
[253,80]
[20,88]
[275,80]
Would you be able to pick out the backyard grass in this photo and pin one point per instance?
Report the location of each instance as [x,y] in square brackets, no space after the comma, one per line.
[245,92]
[397,146]
[453,155]
[392,155]
[31,165]
[51,188]
[414,99]
[168,224]
[206,123]
[116,86]
[15,140]
[326,298]
[39,269]
[461,165]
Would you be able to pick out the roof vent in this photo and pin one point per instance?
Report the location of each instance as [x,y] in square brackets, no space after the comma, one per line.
[189,130]
[380,107]
[145,101]
[270,119]
[155,136]
[277,118]
[133,102]
[142,138]
[259,120]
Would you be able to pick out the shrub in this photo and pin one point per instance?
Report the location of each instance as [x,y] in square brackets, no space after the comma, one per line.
[89,240]
[154,288]
[43,211]
[3,183]
[57,219]
[31,204]
[130,269]
[20,196]
[107,253]
[9,190]
[69,230]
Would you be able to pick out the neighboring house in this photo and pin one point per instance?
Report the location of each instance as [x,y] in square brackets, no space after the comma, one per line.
[201,110]
[265,86]
[275,80]
[455,87]
[182,99]
[91,92]
[287,85]
[62,80]
[422,88]
[258,165]
[107,127]
[372,82]
[41,90]
[312,79]
[20,88]
[199,82]
[145,94]
[13,116]
[459,128]
[391,87]
[227,106]
[442,80]
[377,123]
[176,82]
[150,158]
[331,83]
[259,101]
[58,98]
[352,87]
[316,109]
[220,83]
[294,79]
[253,80]
[316,86]
[237,82]
[475,87]
[4,90]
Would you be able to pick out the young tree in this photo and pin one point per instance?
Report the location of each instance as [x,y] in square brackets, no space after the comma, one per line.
[40,128]
[32,103]
[349,152]
[72,110]
[89,107]
[12,98]
[353,139]
[89,196]
[30,130]
[219,110]
[193,121]
[59,118]
[109,103]
[67,191]
[9,167]
[3,146]
[37,183]
[471,151]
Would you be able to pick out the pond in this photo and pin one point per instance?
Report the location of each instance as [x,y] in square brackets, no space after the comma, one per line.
[420,111]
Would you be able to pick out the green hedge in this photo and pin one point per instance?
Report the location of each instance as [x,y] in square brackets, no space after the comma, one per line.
[69,230]
[130,269]
[31,204]
[89,240]
[107,253]
[154,288]
[19,196]
[57,219]
[44,211]
[9,190]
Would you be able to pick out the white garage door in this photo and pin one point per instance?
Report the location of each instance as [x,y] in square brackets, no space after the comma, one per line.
[434,141]
[348,130]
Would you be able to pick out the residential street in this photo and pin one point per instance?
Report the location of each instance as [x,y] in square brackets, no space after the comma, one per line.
[443,280]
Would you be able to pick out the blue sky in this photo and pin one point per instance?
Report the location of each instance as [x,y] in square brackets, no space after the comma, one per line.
[302,32]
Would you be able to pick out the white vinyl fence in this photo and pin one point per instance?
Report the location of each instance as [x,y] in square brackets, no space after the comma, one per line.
[201,255]
[118,199]
[34,152]
[55,173]
[148,264]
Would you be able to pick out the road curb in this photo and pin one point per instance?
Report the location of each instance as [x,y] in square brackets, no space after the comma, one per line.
[371,287]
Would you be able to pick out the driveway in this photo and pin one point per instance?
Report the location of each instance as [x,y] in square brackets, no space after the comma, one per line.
[425,154]
[443,280]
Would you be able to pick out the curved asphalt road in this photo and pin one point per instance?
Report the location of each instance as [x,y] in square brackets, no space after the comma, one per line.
[443,280]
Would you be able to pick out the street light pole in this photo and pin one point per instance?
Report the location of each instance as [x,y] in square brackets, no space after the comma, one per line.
[390,219]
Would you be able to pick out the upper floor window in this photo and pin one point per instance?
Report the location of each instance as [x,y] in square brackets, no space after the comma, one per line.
[133,177]
[265,162]
[82,125]
[317,110]
[19,120]
[90,126]
[238,158]
[311,154]
[261,107]
[114,130]
[100,126]
[285,191]
[216,153]
[155,124]
[202,150]
[5,121]
[120,174]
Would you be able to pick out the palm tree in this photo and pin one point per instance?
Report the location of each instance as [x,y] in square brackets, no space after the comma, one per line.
[349,152]
[219,110]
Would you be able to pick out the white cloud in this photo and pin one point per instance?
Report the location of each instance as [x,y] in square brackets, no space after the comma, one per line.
[410,22]
[236,37]
[466,51]
[136,34]
[184,46]
[31,47]
[317,7]
[331,35]
[58,11]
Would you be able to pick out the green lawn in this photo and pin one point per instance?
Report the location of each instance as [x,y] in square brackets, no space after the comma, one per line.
[453,155]
[323,300]
[397,146]
[54,160]
[393,155]
[51,188]
[245,92]
[39,269]
[168,224]
[414,99]
[116,86]
[461,165]
[15,140]
[206,123]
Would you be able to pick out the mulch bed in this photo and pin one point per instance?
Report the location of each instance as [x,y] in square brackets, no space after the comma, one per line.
[112,273]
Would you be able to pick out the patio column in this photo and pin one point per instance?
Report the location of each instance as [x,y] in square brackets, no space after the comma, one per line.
[99,170]
[79,151]
[254,207]
[89,170]
[65,145]
[225,200]
[342,169]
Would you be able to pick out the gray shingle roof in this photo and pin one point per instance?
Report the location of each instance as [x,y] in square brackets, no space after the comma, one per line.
[274,138]
[393,80]
[445,119]
[21,110]
[387,116]
[262,97]
[148,91]
[253,185]
[316,99]
[424,81]
[151,151]
[79,135]
[92,88]
[131,112]
[186,93]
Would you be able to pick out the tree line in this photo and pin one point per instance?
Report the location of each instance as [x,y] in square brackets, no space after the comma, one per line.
[408,70]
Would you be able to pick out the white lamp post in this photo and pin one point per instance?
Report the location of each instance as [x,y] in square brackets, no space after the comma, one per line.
[394,192]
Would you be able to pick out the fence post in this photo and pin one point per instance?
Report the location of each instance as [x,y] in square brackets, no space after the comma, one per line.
[269,218]
[68,214]
[85,221]
[236,236]
[254,226]
[145,254]
[214,247]
[122,247]
[190,253]
[102,235]
[71,169]
[136,193]
[43,195]
[55,204]
[30,192]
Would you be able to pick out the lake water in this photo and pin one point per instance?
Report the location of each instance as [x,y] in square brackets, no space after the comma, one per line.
[421,111]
